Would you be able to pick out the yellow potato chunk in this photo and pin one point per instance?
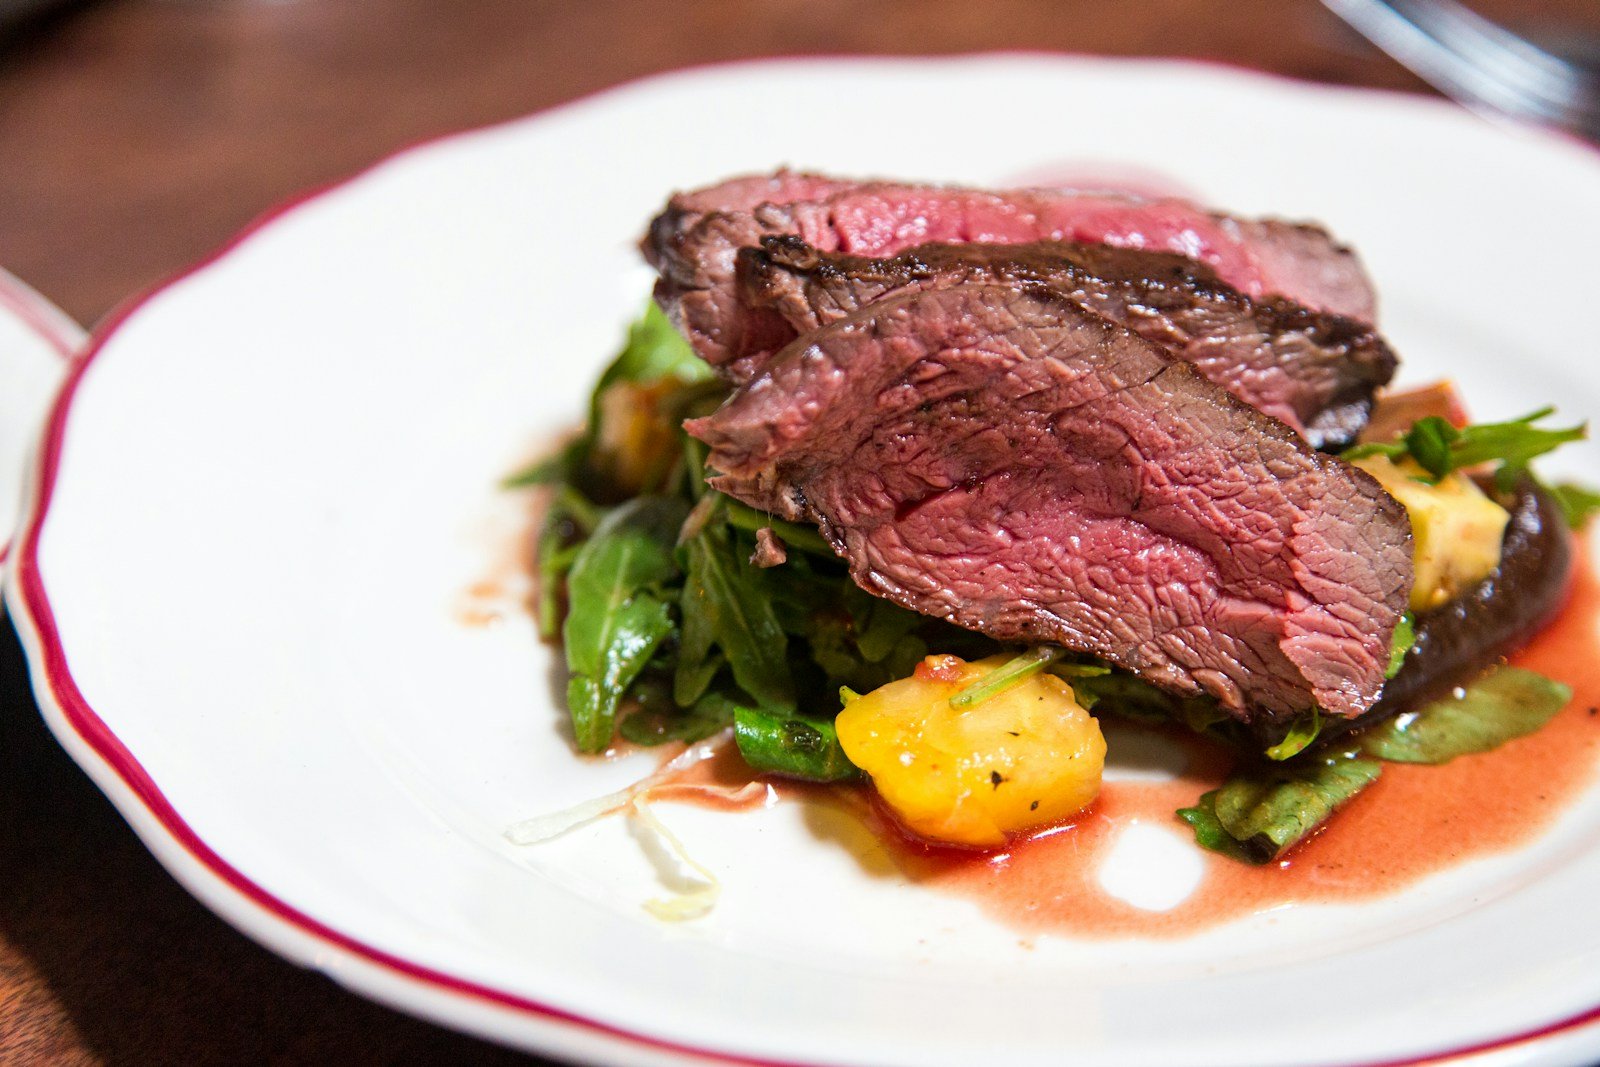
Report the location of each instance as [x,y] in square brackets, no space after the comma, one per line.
[636,443]
[1457,529]
[1021,759]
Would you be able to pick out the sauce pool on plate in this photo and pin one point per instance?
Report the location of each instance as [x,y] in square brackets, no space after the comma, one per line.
[1414,821]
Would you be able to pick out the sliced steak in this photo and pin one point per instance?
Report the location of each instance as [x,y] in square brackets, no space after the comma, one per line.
[1314,370]
[1302,261]
[694,241]
[1001,458]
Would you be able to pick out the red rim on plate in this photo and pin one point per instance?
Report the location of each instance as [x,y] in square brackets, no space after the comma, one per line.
[54,681]
[63,335]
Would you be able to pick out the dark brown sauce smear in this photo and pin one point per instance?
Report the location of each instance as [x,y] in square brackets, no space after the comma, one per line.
[1414,821]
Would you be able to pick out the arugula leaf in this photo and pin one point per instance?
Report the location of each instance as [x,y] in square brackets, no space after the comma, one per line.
[1208,831]
[848,636]
[1440,448]
[744,517]
[881,626]
[1259,815]
[833,644]
[725,602]
[1405,636]
[1124,695]
[1133,698]
[655,350]
[568,521]
[802,595]
[1301,733]
[555,560]
[659,721]
[1505,703]
[1008,674]
[1514,443]
[697,666]
[1577,503]
[694,465]
[633,441]
[791,745]
[549,470]
[616,617]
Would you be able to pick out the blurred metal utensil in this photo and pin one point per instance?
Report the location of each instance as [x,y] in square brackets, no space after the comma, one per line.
[1482,64]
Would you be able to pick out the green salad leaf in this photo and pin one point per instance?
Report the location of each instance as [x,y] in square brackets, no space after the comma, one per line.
[1505,703]
[1440,448]
[657,721]
[1405,636]
[725,604]
[655,351]
[1301,733]
[838,634]
[796,746]
[698,663]
[1577,503]
[550,470]
[567,522]
[1258,815]
[617,615]
[881,628]
[1101,689]
[1209,832]
[744,517]
[1123,694]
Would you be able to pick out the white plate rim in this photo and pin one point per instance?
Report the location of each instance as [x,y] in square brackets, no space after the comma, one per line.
[366,969]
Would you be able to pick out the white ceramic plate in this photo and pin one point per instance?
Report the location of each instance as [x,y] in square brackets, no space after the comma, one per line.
[36,341]
[267,488]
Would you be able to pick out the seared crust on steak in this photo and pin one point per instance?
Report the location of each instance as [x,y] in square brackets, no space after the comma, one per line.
[1313,370]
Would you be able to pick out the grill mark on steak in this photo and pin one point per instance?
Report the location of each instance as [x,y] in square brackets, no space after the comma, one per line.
[693,242]
[1074,484]
[1313,370]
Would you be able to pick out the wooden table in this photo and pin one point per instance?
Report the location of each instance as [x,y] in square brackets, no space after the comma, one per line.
[135,137]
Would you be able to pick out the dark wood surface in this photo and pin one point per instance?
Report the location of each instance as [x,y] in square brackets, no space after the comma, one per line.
[135,137]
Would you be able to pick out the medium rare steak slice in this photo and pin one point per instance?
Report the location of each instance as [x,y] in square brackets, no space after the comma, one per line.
[1313,370]
[999,457]
[694,240]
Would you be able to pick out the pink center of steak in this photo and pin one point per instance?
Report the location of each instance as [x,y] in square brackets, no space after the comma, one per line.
[999,457]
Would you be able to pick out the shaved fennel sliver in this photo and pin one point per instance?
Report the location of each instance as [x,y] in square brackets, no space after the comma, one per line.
[684,904]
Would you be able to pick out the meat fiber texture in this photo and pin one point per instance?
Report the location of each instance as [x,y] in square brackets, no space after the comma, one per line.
[694,242]
[1313,370]
[997,456]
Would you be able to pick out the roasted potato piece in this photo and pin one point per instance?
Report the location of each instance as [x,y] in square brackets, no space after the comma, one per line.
[1457,529]
[1021,759]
